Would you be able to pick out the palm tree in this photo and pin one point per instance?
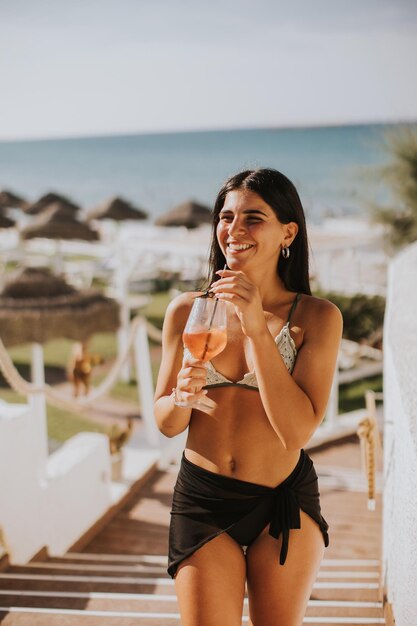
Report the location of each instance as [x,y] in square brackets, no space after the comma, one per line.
[400,176]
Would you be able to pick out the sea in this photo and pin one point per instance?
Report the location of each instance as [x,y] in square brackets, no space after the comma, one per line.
[333,167]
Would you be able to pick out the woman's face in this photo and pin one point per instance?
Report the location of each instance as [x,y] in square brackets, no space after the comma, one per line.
[249,233]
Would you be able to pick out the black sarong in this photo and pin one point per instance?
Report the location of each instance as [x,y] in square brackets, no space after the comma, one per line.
[206,504]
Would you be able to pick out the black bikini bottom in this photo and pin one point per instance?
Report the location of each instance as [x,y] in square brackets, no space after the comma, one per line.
[206,504]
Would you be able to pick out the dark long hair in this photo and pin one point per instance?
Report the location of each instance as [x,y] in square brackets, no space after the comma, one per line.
[281,195]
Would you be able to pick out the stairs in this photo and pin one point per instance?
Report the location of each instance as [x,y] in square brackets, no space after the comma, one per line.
[121,580]
[114,590]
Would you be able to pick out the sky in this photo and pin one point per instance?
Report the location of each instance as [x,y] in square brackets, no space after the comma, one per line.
[101,67]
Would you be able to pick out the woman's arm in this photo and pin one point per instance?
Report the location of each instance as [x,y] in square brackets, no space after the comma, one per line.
[185,375]
[294,404]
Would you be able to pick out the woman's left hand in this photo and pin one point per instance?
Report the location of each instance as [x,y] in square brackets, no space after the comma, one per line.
[235,287]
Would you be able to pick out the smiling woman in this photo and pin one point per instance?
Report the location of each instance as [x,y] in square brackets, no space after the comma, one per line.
[249,231]
[278,211]
[246,506]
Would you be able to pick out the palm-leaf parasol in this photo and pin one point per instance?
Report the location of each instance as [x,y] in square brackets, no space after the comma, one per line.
[37,306]
[116,209]
[9,200]
[6,222]
[189,214]
[45,201]
[58,222]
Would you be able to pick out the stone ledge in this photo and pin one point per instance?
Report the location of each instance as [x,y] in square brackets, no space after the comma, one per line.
[137,467]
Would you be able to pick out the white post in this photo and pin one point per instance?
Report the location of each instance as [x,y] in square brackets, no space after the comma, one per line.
[37,404]
[124,268]
[123,332]
[145,382]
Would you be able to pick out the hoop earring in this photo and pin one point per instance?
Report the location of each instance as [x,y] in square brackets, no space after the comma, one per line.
[285,252]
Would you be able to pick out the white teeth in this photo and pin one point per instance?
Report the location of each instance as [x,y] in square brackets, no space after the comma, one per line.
[239,246]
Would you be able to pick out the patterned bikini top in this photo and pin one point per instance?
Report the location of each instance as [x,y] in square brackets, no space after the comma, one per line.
[286,346]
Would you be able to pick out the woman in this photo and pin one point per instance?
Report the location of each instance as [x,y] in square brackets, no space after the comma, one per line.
[246,503]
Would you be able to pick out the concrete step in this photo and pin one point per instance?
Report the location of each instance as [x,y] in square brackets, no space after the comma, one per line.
[68,617]
[144,572]
[158,602]
[152,607]
[77,569]
[105,584]
[92,587]
[120,559]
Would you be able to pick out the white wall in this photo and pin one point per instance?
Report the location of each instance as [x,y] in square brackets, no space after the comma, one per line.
[78,489]
[48,501]
[400,438]
[21,481]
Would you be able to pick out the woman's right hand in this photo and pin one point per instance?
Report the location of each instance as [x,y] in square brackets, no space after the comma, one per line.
[190,380]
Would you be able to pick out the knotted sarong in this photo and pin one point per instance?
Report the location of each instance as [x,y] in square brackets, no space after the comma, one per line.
[206,504]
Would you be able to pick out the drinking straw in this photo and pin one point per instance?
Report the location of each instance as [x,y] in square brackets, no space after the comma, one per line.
[215,304]
[211,322]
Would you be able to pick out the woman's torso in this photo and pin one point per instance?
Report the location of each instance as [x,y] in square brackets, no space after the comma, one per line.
[238,440]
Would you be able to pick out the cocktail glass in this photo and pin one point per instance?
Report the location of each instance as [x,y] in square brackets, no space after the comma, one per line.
[205,336]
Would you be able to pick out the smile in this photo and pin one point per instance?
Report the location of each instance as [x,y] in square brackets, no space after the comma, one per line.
[236,247]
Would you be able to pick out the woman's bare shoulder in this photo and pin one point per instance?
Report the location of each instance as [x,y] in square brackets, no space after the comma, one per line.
[180,306]
[318,311]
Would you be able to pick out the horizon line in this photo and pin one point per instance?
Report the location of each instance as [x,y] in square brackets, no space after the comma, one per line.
[214,129]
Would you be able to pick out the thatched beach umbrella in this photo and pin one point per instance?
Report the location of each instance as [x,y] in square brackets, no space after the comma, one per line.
[9,200]
[6,222]
[57,222]
[190,214]
[45,201]
[37,306]
[116,209]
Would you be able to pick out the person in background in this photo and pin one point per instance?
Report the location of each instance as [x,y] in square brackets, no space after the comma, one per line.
[246,508]
[80,368]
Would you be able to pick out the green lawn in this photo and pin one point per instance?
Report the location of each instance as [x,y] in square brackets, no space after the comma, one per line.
[352,396]
[128,391]
[61,424]
[155,310]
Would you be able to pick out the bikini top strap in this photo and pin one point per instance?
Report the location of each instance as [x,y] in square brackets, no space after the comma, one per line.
[293,307]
